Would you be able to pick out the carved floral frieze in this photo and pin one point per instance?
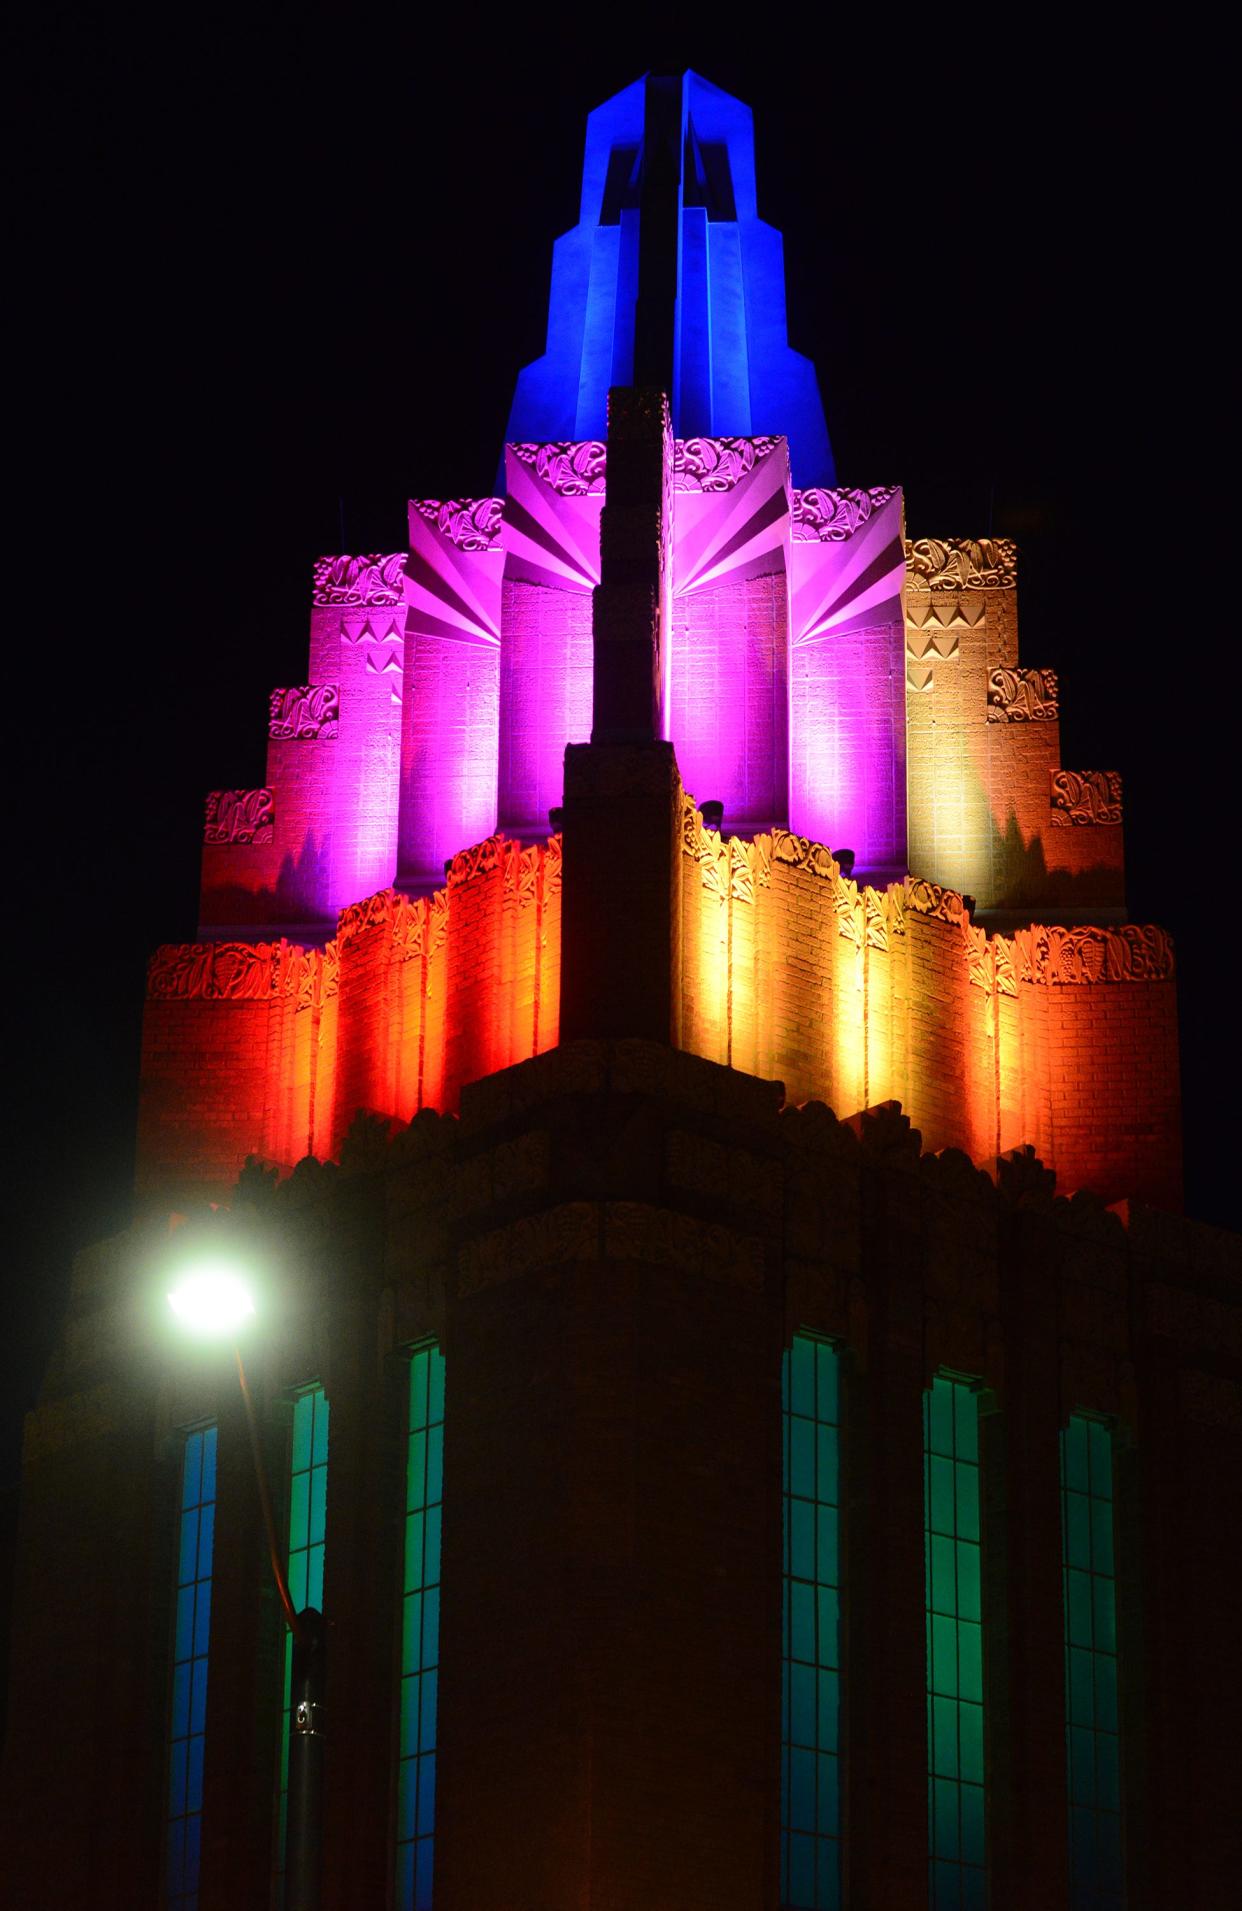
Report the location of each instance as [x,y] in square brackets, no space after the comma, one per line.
[239,816]
[1022,696]
[830,517]
[1085,796]
[571,470]
[371,579]
[1128,952]
[243,972]
[717,464]
[305,712]
[479,860]
[962,563]
[472,524]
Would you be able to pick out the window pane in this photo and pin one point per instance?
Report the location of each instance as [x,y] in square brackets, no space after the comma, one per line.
[810,1762]
[1093,1747]
[420,1629]
[191,1641]
[954,1643]
[305,1553]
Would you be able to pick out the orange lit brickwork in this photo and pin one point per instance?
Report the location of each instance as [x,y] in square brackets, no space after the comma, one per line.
[1060,1038]
[269,1048]
[1063,1038]
[991,811]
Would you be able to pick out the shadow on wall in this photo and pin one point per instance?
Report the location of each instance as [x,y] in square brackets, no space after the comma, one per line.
[1028,881]
[294,898]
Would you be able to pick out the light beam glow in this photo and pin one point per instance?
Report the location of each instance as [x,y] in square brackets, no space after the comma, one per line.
[212,1299]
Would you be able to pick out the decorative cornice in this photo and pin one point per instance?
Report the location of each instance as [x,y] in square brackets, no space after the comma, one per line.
[478,860]
[1085,796]
[830,517]
[1130,952]
[371,579]
[243,972]
[717,464]
[1022,696]
[871,918]
[306,712]
[571,470]
[371,912]
[962,563]
[472,524]
[239,816]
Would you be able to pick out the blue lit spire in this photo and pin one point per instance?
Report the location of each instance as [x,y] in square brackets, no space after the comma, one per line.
[671,278]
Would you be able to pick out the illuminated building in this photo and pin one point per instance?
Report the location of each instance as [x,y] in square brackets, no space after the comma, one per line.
[632,1261]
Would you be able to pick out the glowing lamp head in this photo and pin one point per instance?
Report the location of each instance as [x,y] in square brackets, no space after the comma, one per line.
[211,1299]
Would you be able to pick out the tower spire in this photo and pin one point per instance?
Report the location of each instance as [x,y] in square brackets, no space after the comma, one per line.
[671,280]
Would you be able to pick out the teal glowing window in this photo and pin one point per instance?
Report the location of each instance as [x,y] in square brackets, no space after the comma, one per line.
[191,1637]
[308,1508]
[420,1630]
[951,1502]
[811,1636]
[1091,1665]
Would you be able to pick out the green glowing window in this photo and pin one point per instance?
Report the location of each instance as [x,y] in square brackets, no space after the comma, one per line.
[420,1630]
[1091,1665]
[308,1506]
[951,1501]
[811,1655]
[187,1721]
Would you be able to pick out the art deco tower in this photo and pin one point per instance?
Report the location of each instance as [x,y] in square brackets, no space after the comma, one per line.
[668,1030]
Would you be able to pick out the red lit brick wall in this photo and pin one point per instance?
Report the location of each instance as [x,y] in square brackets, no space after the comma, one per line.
[270,1049]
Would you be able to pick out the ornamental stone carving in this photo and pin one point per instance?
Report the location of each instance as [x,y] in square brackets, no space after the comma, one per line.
[830,517]
[472,524]
[217,971]
[571,470]
[372,579]
[1022,696]
[243,972]
[372,912]
[1085,796]
[800,852]
[239,816]
[1130,952]
[553,1238]
[717,464]
[305,713]
[479,860]
[929,899]
[962,563]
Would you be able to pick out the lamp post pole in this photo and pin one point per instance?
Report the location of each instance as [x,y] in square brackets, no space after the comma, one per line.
[212,1298]
[304,1811]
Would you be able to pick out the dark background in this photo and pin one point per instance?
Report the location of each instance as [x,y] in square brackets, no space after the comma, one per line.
[280,272]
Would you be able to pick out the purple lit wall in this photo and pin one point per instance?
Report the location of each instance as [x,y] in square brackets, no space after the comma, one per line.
[847,674]
[445,681]
[450,717]
[551,538]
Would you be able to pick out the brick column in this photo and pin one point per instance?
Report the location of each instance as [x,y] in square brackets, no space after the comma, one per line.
[611,1619]
[1028,1827]
[886,1850]
[621,961]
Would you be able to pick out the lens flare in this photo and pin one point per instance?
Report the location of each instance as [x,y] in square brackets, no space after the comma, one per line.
[212,1299]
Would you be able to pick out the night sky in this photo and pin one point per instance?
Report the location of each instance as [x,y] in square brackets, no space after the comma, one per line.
[275,276]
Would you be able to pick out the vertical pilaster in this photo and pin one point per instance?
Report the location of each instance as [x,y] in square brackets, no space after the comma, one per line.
[621,911]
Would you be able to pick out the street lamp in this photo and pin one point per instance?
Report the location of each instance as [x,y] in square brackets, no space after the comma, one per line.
[213,1301]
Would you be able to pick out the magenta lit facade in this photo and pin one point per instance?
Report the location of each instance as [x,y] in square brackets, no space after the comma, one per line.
[444,681]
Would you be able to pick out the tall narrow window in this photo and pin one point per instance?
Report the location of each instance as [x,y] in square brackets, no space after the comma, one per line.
[308,1504]
[811,1678]
[195,1533]
[420,1630]
[954,1644]
[1091,1665]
